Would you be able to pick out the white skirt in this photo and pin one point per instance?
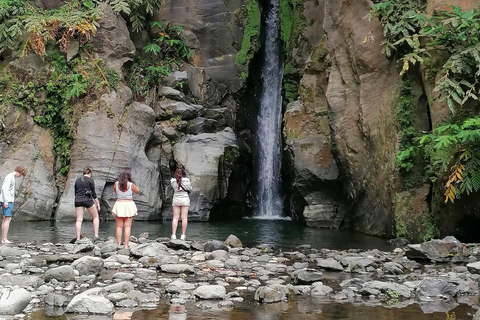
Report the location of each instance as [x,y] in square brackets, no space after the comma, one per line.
[180,201]
[124,209]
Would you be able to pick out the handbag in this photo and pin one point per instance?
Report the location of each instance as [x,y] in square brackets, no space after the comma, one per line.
[187,191]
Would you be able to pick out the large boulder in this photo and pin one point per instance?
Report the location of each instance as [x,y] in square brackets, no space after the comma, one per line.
[361,84]
[90,302]
[24,143]
[88,265]
[153,249]
[63,273]
[201,155]
[306,276]
[430,287]
[274,293]
[14,301]
[215,31]
[112,40]
[114,144]
[209,292]
[443,250]
[390,288]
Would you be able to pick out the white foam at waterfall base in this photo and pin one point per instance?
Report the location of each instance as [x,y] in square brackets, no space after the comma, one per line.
[269,121]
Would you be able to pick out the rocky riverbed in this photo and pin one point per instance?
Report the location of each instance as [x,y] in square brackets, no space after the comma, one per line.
[101,278]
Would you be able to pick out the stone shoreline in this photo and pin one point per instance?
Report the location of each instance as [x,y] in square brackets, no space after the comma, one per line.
[100,277]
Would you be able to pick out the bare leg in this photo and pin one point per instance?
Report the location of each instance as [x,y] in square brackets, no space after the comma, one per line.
[94,214]
[128,230]
[5,227]
[118,231]
[184,211]
[78,220]
[176,216]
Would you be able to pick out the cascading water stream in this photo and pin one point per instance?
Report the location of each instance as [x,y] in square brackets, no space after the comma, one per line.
[269,119]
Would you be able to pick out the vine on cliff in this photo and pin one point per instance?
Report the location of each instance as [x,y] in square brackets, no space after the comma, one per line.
[412,38]
[251,38]
[166,53]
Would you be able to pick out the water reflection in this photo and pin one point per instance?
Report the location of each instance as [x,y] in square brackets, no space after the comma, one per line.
[282,234]
[302,309]
[177,313]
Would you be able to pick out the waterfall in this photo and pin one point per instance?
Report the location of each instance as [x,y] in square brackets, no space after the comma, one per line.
[269,119]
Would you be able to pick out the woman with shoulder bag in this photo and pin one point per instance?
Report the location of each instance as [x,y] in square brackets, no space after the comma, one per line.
[181,201]
[86,198]
[124,208]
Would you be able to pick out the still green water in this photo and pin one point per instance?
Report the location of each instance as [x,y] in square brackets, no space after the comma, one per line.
[283,234]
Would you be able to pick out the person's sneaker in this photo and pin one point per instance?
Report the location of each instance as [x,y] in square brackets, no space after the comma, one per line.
[183,237]
[173,237]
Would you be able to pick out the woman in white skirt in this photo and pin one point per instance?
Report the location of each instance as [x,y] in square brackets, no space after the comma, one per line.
[181,201]
[124,208]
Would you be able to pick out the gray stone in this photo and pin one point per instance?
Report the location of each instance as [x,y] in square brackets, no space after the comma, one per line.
[201,154]
[209,292]
[63,273]
[88,265]
[90,302]
[123,276]
[477,315]
[320,290]
[234,264]
[214,245]
[175,78]
[127,303]
[121,287]
[13,302]
[8,280]
[83,245]
[117,296]
[158,261]
[166,109]
[474,267]
[177,268]
[430,287]
[389,287]
[221,255]
[306,276]
[146,274]
[274,293]
[134,145]
[11,251]
[179,286]
[171,93]
[233,241]
[112,39]
[436,250]
[329,264]
[178,244]
[56,300]
[392,268]
[153,249]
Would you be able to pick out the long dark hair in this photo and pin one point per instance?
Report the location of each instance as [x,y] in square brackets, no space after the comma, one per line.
[179,174]
[124,178]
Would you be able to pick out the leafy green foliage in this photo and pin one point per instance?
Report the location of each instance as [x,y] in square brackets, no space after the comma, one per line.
[404,114]
[165,54]
[455,150]
[60,89]
[137,11]
[251,37]
[37,27]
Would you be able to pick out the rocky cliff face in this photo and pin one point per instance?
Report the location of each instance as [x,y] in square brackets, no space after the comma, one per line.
[115,131]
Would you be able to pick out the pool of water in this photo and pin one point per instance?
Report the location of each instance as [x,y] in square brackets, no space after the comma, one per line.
[301,309]
[280,233]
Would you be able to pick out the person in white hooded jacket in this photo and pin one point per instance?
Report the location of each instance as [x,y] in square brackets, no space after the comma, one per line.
[7,197]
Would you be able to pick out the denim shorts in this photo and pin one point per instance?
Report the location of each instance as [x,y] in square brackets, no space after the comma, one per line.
[8,211]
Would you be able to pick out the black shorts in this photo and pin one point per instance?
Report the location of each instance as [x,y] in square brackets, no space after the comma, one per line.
[84,203]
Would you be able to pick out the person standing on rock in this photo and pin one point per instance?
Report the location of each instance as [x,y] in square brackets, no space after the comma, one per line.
[86,198]
[7,197]
[181,201]
[124,208]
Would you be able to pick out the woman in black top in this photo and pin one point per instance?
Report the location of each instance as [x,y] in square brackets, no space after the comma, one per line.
[86,198]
